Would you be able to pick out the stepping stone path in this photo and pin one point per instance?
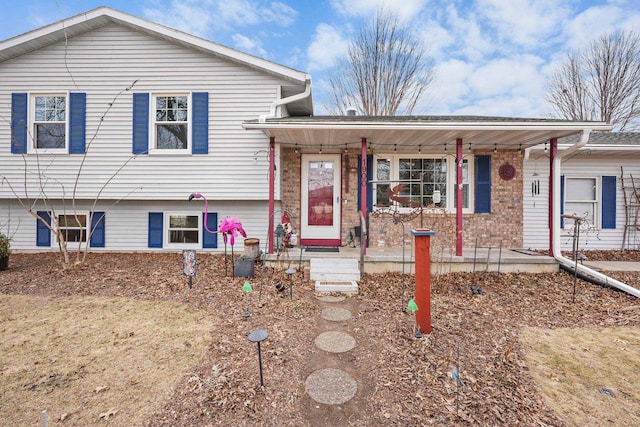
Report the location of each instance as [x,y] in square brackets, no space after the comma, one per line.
[331,386]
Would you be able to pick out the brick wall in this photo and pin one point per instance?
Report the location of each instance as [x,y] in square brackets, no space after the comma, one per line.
[503,223]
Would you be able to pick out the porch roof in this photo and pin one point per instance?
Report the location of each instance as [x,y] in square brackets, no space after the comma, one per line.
[411,133]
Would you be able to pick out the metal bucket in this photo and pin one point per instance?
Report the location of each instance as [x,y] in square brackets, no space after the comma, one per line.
[252,248]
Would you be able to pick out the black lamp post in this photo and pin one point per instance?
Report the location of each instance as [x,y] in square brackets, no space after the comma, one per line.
[257,336]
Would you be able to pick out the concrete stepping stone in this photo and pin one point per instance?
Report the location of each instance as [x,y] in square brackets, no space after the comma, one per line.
[335,314]
[335,342]
[331,386]
[331,298]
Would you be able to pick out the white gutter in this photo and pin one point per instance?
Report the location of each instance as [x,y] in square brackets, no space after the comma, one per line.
[555,246]
[275,104]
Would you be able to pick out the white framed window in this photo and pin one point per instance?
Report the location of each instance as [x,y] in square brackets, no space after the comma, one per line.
[467,195]
[183,230]
[581,199]
[74,228]
[406,173]
[171,128]
[48,123]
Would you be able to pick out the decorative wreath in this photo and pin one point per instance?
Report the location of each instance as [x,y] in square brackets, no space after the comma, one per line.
[507,172]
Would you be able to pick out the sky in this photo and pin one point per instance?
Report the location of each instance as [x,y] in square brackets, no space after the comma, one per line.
[490,57]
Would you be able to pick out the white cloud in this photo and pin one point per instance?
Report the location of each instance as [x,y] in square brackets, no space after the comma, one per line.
[246,12]
[436,38]
[450,87]
[200,17]
[183,15]
[405,10]
[595,21]
[523,22]
[471,42]
[327,46]
[249,45]
[516,74]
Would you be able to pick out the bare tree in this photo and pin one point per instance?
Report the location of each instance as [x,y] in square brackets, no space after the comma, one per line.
[60,219]
[602,82]
[385,72]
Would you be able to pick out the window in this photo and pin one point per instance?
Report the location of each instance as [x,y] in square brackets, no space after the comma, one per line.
[171,122]
[465,185]
[183,229]
[49,122]
[407,174]
[581,199]
[73,228]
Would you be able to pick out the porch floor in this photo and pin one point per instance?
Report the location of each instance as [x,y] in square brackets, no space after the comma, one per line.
[379,260]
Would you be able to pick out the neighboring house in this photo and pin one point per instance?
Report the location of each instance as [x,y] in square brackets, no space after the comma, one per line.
[161,114]
[150,115]
[600,182]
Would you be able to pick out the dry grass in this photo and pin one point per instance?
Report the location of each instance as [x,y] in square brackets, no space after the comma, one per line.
[84,358]
[572,368]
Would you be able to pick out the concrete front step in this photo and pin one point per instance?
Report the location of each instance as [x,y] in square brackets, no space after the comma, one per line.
[335,275]
[344,287]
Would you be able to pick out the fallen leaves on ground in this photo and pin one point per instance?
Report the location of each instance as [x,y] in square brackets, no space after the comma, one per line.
[402,380]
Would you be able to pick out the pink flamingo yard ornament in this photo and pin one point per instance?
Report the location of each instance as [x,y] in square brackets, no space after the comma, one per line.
[230,227]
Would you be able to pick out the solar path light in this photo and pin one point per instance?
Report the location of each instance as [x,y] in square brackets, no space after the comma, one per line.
[291,272]
[413,307]
[257,336]
[246,288]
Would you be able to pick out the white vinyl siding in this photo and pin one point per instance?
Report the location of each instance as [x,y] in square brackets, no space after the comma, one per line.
[535,215]
[126,223]
[104,63]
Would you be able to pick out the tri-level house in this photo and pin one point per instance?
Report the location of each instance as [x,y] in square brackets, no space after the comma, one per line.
[118,120]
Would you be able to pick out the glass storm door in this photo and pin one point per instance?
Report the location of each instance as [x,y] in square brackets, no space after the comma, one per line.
[320,200]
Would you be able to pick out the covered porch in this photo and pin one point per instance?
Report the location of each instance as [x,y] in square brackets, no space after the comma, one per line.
[479,183]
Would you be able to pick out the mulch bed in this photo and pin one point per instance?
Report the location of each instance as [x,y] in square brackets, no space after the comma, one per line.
[611,255]
[402,380]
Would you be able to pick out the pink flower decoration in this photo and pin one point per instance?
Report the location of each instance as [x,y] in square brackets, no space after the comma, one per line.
[231,226]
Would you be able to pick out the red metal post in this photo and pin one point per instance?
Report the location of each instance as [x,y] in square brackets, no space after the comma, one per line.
[423,278]
[459,197]
[553,152]
[363,187]
[272,188]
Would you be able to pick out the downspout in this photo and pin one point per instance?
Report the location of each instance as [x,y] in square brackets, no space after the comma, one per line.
[262,119]
[585,273]
[283,101]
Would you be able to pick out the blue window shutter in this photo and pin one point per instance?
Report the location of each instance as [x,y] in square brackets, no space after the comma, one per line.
[140,123]
[156,225]
[369,184]
[561,201]
[608,202]
[77,123]
[97,230]
[200,125]
[210,240]
[43,235]
[483,184]
[19,122]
